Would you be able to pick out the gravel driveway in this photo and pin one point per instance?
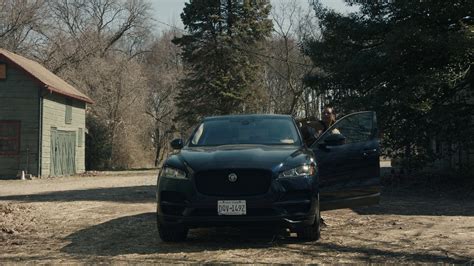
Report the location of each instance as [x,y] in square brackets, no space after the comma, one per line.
[111,219]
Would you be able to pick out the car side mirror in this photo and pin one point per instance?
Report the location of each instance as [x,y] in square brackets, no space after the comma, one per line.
[334,140]
[177,144]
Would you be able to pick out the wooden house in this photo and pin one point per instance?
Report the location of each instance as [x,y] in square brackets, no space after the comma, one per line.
[42,120]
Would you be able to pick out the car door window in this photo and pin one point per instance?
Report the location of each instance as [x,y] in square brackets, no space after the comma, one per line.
[357,127]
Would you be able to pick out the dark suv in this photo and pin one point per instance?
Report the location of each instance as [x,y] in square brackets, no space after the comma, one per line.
[246,169]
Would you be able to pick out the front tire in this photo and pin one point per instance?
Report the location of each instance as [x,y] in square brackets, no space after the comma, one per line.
[172,233]
[311,232]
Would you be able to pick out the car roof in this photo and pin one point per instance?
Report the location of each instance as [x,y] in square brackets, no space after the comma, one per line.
[248,116]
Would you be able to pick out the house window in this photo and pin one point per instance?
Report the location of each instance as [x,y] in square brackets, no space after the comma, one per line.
[80,137]
[9,137]
[3,71]
[68,111]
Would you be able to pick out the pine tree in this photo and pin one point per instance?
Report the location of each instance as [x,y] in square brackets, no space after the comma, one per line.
[406,60]
[222,73]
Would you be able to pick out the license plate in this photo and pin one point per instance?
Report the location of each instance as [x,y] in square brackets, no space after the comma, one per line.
[231,207]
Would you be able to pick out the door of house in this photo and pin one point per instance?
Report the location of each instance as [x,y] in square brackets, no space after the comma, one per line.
[63,152]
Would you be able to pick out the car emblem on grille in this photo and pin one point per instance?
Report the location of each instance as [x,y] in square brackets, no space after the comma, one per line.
[232,177]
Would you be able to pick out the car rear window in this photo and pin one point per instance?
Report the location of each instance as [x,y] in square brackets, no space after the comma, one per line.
[266,131]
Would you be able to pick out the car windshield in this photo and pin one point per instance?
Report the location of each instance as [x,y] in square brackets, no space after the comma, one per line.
[248,130]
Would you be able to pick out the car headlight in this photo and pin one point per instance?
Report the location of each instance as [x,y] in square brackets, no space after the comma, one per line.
[303,170]
[169,172]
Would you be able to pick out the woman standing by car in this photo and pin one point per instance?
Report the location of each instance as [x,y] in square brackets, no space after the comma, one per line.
[311,128]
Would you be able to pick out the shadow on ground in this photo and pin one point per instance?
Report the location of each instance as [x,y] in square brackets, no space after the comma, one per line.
[134,194]
[137,234]
[426,195]
[394,200]
[412,203]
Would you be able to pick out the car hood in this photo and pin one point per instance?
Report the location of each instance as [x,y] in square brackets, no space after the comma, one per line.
[242,156]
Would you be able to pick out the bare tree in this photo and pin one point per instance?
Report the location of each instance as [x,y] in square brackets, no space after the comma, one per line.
[286,64]
[118,87]
[82,29]
[94,44]
[20,24]
[164,71]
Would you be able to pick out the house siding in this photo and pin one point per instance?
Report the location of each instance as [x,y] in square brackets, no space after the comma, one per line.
[54,115]
[19,101]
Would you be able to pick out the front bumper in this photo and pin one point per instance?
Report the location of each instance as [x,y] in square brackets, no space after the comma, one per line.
[289,202]
[278,216]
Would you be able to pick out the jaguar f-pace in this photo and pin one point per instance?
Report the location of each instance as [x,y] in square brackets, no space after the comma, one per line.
[256,169]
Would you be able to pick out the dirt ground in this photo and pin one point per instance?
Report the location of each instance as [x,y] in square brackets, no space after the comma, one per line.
[111,218]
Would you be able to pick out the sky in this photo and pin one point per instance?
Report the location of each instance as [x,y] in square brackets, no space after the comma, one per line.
[168,11]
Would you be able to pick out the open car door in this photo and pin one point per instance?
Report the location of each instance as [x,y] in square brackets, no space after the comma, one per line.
[348,162]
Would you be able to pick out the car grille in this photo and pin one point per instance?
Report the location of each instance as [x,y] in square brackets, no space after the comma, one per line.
[249,182]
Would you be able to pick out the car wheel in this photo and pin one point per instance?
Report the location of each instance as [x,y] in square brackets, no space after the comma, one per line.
[311,232]
[172,233]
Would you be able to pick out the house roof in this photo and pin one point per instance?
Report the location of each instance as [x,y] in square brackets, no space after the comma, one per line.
[44,76]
